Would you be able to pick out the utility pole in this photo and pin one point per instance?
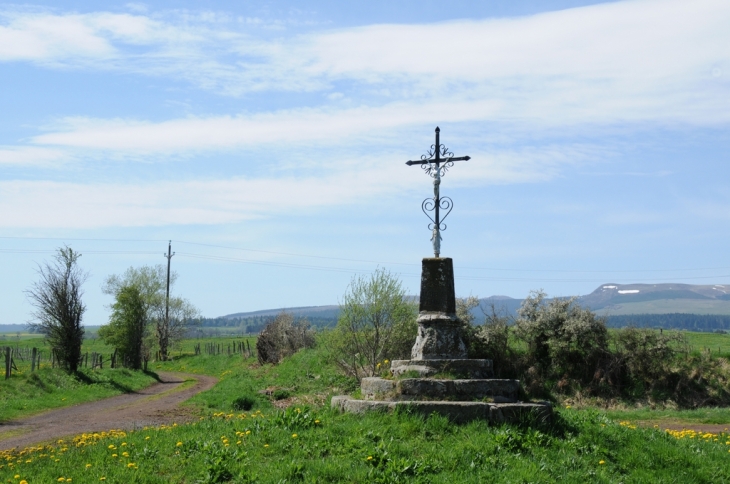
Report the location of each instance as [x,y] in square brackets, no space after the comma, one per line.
[167,296]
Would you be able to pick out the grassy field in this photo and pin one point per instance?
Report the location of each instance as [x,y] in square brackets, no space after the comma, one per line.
[308,442]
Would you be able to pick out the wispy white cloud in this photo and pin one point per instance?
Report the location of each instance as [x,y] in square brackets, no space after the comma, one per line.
[621,60]
[79,205]
[32,156]
[51,204]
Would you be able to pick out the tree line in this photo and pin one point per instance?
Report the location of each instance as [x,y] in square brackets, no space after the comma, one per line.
[690,322]
[143,318]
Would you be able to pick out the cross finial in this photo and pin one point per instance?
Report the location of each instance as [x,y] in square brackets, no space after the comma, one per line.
[435,163]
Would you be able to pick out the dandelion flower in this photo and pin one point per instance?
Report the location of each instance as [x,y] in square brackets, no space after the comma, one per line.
[16,476]
[179,444]
[61,479]
[88,465]
[601,462]
[114,455]
[23,482]
[293,436]
[102,478]
[370,457]
[266,445]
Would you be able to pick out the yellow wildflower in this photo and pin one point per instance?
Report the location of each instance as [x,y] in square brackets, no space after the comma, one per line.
[601,462]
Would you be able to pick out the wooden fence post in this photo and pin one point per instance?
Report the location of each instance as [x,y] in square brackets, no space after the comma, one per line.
[32,359]
[7,362]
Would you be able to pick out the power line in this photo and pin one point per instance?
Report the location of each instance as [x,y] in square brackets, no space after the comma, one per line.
[352,270]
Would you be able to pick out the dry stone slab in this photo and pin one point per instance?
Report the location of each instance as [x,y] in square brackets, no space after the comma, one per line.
[457,412]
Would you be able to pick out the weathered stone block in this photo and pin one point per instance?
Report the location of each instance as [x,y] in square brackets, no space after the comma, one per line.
[437,286]
[459,368]
[373,388]
[457,412]
[460,390]
[439,337]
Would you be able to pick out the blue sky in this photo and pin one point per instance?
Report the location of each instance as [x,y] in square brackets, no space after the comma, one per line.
[267,140]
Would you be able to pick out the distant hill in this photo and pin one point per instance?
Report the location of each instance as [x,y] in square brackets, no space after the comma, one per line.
[331,311]
[688,306]
[623,299]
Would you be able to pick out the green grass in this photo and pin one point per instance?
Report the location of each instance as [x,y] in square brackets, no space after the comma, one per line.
[306,376]
[716,416]
[308,445]
[28,393]
[718,344]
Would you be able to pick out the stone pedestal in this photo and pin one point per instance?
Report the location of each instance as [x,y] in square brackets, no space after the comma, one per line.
[439,331]
[439,377]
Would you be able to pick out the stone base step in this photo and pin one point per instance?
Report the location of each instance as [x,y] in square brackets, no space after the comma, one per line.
[458,412]
[502,391]
[458,368]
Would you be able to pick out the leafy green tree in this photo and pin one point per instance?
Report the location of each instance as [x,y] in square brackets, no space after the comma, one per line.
[127,326]
[151,282]
[376,323]
[58,306]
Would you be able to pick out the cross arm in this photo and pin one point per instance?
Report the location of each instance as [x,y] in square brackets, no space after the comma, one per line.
[442,160]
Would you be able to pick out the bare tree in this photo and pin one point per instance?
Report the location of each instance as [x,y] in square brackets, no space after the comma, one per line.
[169,330]
[58,306]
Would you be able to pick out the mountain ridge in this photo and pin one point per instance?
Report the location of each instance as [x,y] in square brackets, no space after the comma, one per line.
[607,299]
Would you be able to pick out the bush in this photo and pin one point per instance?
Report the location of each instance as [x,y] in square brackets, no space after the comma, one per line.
[492,340]
[283,337]
[281,394]
[376,323]
[245,402]
[564,341]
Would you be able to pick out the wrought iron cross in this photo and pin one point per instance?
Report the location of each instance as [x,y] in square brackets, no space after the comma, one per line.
[435,163]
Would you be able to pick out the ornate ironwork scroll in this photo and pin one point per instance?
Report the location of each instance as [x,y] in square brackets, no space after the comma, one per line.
[436,162]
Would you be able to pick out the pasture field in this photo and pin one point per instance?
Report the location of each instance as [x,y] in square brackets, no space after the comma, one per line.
[308,442]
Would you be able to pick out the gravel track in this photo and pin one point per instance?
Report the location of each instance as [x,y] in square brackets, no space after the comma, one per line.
[155,405]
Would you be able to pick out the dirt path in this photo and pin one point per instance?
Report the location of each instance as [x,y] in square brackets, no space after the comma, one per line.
[155,405]
[678,425]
